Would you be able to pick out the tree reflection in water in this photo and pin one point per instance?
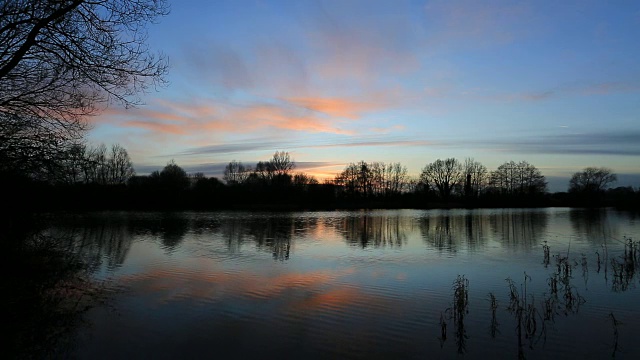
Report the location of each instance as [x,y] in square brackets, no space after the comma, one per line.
[528,320]
[378,230]
[449,231]
[272,233]
[50,289]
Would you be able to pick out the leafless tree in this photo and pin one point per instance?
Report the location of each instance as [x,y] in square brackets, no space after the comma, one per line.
[302,179]
[475,177]
[373,179]
[235,173]
[356,179]
[518,178]
[281,163]
[120,167]
[61,60]
[263,171]
[396,178]
[97,165]
[444,175]
[592,180]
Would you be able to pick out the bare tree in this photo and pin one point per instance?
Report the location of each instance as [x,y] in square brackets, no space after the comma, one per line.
[61,60]
[120,167]
[444,175]
[235,173]
[518,178]
[302,180]
[97,165]
[281,163]
[396,176]
[357,179]
[592,180]
[372,179]
[263,171]
[475,177]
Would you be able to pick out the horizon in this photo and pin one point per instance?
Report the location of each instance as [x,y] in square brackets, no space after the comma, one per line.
[554,84]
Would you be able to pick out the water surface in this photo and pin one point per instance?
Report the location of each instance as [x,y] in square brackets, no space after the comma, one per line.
[361,284]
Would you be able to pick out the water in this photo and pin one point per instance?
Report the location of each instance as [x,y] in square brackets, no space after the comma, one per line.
[360,284]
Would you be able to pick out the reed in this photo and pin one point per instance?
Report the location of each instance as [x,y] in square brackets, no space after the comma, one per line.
[614,324]
[493,306]
[546,250]
[460,309]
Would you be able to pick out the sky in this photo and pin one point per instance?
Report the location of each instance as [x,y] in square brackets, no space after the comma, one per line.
[553,83]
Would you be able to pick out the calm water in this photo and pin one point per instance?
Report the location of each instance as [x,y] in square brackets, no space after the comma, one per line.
[361,284]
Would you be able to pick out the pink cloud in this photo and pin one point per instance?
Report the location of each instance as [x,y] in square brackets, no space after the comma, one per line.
[257,116]
[173,117]
[155,126]
[334,106]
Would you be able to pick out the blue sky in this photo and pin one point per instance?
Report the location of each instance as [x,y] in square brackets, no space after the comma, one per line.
[555,83]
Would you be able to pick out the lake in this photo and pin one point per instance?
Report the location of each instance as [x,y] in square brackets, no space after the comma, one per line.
[492,283]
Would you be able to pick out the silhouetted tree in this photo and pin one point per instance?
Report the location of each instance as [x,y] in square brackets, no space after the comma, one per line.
[372,179]
[302,179]
[395,178]
[173,177]
[61,60]
[474,177]
[521,178]
[235,173]
[356,179]
[74,165]
[262,173]
[281,163]
[97,165]
[592,180]
[120,167]
[444,175]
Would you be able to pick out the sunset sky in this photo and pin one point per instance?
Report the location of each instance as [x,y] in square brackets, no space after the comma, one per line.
[555,83]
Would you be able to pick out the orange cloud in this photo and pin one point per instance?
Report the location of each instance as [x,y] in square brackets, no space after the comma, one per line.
[283,118]
[333,106]
[155,126]
[185,119]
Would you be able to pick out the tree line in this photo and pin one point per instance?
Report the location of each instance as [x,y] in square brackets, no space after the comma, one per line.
[95,177]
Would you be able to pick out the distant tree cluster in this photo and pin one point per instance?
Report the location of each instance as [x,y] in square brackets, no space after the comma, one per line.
[470,180]
[591,180]
[366,180]
[589,187]
[521,178]
[97,165]
[276,171]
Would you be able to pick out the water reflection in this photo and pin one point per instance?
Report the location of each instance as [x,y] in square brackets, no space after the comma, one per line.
[472,230]
[51,286]
[273,234]
[232,231]
[96,240]
[377,231]
[521,229]
[590,223]
[301,288]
